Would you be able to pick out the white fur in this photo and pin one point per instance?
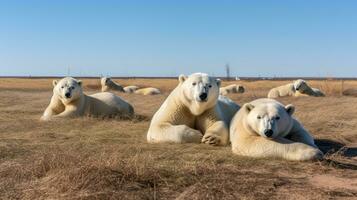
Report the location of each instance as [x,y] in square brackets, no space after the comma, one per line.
[186,117]
[233,88]
[68,100]
[289,139]
[108,84]
[130,89]
[148,91]
[296,88]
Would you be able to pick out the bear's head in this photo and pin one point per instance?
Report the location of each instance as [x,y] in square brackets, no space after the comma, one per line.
[68,89]
[199,92]
[240,89]
[301,85]
[105,80]
[269,119]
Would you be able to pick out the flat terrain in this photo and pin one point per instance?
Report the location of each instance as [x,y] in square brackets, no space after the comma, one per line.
[91,158]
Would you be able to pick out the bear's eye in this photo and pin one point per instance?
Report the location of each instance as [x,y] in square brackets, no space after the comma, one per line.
[209,86]
[72,87]
[194,84]
[277,117]
[259,117]
[62,87]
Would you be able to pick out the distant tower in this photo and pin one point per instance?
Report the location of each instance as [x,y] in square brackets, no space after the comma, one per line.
[228,71]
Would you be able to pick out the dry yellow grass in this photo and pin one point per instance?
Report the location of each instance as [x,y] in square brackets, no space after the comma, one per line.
[109,159]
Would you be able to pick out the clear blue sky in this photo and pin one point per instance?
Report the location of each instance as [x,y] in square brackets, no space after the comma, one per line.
[167,38]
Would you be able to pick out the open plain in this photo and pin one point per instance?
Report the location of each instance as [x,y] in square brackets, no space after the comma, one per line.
[92,158]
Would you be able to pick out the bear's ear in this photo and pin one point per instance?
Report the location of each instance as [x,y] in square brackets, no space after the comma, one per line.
[54,83]
[218,81]
[290,109]
[248,107]
[79,83]
[182,78]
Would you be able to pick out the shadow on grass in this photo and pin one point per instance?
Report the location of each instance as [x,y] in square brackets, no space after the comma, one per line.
[331,148]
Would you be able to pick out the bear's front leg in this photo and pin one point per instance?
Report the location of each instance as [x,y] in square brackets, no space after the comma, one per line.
[55,107]
[166,132]
[216,134]
[187,134]
[299,134]
[257,146]
[48,114]
[69,112]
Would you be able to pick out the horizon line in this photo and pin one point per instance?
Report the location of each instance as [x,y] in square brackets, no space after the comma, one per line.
[175,77]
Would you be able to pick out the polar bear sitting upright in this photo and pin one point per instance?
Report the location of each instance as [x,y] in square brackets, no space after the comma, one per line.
[266,128]
[297,88]
[108,84]
[68,100]
[193,113]
[233,88]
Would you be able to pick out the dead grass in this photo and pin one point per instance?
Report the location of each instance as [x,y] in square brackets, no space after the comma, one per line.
[91,158]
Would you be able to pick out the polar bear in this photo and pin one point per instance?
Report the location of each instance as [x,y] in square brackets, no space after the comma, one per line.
[297,88]
[266,128]
[233,88]
[350,92]
[303,88]
[130,88]
[148,91]
[108,84]
[68,100]
[193,113]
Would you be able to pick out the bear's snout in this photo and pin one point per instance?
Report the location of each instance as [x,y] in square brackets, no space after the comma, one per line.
[268,132]
[68,95]
[203,96]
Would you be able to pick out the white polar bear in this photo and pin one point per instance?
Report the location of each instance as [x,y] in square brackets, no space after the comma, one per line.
[266,128]
[296,88]
[68,100]
[108,84]
[148,91]
[193,113]
[131,88]
[233,88]
[304,89]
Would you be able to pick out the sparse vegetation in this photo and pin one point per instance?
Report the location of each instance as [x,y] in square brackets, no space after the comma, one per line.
[91,158]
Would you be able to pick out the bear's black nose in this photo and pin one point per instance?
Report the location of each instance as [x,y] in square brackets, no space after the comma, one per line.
[68,94]
[268,132]
[203,96]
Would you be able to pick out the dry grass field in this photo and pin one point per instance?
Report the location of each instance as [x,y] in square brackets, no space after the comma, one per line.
[91,158]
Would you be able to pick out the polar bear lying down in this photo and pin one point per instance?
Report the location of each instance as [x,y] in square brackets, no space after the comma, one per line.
[266,128]
[131,88]
[297,88]
[193,113]
[148,91]
[68,100]
[108,84]
[233,88]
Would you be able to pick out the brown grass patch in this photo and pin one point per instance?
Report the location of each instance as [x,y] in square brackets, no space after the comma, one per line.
[93,158]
